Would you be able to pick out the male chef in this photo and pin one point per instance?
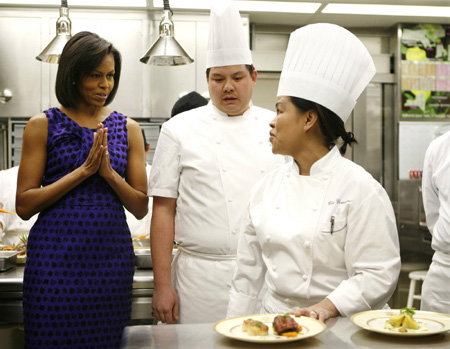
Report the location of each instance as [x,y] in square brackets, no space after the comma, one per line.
[206,161]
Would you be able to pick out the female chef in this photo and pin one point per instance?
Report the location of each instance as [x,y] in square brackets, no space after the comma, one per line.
[320,232]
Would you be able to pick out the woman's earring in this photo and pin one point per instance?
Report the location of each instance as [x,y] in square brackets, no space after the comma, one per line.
[73,83]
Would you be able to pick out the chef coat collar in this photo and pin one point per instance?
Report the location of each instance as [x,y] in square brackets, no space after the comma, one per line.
[324,165]
[216,111]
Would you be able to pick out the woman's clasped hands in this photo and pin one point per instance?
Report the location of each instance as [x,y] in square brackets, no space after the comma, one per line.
[98,158]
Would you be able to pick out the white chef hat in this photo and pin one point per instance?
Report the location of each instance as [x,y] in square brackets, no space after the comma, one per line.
[227,44]
[326,64]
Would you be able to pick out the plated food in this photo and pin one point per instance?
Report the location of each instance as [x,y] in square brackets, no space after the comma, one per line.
[21,246]
[252,328]
[255,328]
[402,322]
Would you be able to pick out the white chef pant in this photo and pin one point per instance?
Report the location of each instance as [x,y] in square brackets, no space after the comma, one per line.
[203,287]
[435,288]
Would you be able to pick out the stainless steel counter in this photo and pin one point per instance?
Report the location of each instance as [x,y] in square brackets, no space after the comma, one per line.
[11,282]
[14,276]
[340,333]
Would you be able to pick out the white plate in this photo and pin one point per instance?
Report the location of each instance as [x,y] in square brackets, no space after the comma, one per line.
[374,320]
[232,328]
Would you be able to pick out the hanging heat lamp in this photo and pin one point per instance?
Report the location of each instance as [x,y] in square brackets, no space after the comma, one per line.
[53,51]
[166,51]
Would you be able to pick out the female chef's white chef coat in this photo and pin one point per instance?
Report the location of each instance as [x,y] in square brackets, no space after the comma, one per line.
[436,201]
[331,234]
[13,225]
[209,161]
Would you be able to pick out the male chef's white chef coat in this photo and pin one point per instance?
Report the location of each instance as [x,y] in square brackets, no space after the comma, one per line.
[436,201]
[13,225]
[209,161]
[331,234]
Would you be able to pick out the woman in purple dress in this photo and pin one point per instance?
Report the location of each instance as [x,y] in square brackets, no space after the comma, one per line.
[81,164]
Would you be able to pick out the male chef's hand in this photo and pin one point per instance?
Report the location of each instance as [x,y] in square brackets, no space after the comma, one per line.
[165,304]
[321,311]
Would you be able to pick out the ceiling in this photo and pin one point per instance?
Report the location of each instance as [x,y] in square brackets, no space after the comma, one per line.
[349,21]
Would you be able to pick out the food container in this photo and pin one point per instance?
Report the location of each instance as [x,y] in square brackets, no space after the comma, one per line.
[144,258]
[8,259]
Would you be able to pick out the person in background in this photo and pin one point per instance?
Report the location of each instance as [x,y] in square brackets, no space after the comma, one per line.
[205,163]
[11,225]
[187,102]
[320,232]
[140,228]
[81,164]
[436,202]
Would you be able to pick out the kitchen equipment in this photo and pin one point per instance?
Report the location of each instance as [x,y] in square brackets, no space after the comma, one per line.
[144,258]
[52,52]
[4,211]
[8,259]
[166,51]
[141,241]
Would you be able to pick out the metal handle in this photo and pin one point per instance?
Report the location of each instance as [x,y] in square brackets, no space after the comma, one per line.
[5,95]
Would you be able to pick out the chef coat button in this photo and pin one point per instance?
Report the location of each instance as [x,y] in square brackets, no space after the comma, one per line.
[268,237]
[325,178]
[288,174]
[230,200]
[234,231]
[274,268]
[305,277]
[261,142]
[287,300]
[277,207]
[307,244]
[224,170]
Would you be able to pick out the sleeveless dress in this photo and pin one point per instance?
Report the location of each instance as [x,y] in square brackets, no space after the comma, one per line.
[80,261]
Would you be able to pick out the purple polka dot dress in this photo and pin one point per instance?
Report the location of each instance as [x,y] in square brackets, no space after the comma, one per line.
[80,260]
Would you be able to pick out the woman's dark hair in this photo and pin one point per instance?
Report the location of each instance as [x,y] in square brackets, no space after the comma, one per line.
[331,125]
[249,67]
[83,53]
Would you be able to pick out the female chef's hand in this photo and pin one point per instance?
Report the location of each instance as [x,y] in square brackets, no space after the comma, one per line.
[94,159]
[321,311]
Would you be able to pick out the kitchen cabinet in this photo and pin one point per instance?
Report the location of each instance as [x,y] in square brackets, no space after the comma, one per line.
[32,82]
[127,32]
[20,72]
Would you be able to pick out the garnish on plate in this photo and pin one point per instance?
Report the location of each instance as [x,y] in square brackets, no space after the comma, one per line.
[404,322]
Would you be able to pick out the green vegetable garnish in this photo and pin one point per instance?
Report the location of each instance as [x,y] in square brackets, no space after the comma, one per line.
[285,315]
[408,311]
